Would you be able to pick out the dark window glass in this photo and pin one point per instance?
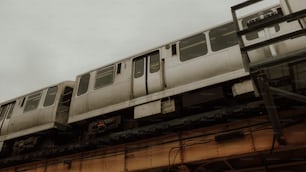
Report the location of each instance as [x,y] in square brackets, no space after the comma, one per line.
[251,35]
[3,110]
[193,47]
[173,48]
[139,67]
[64,104]
[154,62]
[22,103]
[223,37]
[119,68]
[66,98]
[6,109]
[104,77]
[83,85]
[32,101]
[246,22]
[12,105]
[50,97]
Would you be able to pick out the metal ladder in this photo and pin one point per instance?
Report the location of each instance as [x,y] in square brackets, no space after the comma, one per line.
[258,70]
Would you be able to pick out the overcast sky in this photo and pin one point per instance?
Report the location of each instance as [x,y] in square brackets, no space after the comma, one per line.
[43,42]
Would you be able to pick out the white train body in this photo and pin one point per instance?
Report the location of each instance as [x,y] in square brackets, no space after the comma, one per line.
[204,59]
[142,82]
[38,111]
[154,75]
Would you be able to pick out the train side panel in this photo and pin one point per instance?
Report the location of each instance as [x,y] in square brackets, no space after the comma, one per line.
[160,73]
[112,85]
[37,112]
[185,67]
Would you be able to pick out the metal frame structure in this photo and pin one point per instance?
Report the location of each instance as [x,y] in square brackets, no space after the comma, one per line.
[258,71]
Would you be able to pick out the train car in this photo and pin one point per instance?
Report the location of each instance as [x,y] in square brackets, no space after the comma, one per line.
[197,73]
[201,68]
[23,119]
[149,77]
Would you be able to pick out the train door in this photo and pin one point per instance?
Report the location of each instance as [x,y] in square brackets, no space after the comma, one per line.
[64,104]
[147,74]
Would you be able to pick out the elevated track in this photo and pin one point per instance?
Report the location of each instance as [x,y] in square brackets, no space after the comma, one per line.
[237,145]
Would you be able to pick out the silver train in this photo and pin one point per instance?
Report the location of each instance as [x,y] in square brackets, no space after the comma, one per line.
[201,68]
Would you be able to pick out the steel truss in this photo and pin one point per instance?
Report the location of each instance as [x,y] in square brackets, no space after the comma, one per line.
[259,70]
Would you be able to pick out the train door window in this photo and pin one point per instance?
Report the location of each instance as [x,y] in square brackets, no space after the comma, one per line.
[173,49]
[22,102]
[32,101]
[64,104]
[118,68]
[10,110]
[139,67]
[2,112]
[104,77]
[66,98]
[193,47]
[257,18]
[223,37]
[83,84]
[251,35]
[50,97]
[154,62]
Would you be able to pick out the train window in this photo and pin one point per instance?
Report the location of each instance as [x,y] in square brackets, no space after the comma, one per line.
[223,37]
[66,97]
[10,111]
[118,68]
[154,62]
[22,103]
[257,18]
[193,47]
[83,85]
[104,77]
[2,112]
[251,35]
[6,110]
[32,101]
[139,67]
[50,97]
[173,49]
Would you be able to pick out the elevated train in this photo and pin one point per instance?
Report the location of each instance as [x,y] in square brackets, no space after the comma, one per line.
[197,71]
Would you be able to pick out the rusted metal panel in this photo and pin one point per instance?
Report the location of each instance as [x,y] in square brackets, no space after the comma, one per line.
[295,135]
[195,146]
[76,166]
[8,170]
[57,167]
[155,155]
[34,168]
[110,164]
[262,139]
[207,148]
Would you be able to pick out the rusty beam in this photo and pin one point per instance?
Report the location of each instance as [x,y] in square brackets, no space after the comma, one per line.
[199,147]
